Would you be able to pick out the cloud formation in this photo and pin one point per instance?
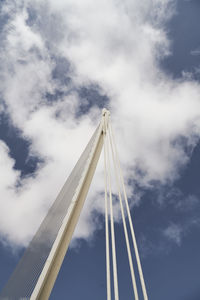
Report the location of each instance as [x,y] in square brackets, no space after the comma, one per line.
[49,51]
[173,232]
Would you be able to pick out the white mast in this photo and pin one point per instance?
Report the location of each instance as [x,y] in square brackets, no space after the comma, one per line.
[36,273]
[54,261]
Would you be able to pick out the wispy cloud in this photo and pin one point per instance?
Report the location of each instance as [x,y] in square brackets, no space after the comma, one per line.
[162,240]
[173,232]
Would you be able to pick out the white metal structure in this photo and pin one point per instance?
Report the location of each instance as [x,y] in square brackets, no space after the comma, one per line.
[109,140]
[39,286]
[48,276]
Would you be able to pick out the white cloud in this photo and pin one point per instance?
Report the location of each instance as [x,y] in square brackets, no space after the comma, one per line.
[187,204]
[117,45]
[174,232]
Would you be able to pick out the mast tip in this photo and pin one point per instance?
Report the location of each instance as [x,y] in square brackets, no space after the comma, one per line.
[105,111]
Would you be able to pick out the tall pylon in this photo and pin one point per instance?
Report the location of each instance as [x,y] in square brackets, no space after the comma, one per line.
[36,272]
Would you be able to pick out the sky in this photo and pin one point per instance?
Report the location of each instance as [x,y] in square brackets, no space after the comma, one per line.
[61,62]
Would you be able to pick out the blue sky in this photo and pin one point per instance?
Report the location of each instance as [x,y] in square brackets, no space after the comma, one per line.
[60,64]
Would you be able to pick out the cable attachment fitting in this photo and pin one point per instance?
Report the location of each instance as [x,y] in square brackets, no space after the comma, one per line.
[105,116]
